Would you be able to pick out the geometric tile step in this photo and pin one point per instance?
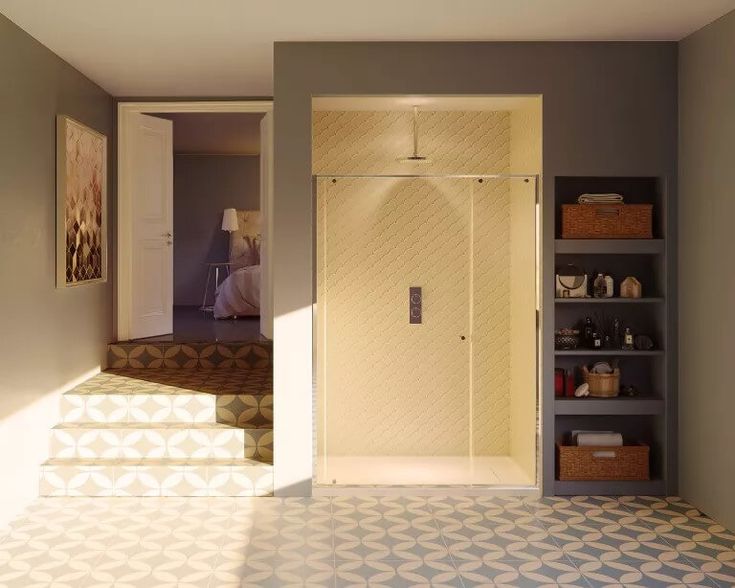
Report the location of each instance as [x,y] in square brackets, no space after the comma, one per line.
[160,440]
[155,477]
[240,410]
[247,355]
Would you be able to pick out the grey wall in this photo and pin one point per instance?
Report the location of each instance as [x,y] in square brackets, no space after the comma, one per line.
[204,185]
[609,109]
[706,279]
[47,336]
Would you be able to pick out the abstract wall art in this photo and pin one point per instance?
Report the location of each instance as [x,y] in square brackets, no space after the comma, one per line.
[81,204]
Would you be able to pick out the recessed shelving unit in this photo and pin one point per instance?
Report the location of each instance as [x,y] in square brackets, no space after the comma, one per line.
[649,416]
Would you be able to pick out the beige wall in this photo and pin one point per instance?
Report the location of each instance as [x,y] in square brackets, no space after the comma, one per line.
[395,388]
[706,279]
[50,337]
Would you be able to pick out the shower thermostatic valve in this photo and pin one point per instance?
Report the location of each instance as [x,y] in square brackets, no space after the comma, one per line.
[414,305]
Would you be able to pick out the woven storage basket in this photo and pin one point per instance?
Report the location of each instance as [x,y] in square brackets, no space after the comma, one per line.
[606,221]
[629,462]
[602,385]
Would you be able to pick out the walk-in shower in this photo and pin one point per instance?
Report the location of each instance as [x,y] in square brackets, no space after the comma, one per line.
[426,309]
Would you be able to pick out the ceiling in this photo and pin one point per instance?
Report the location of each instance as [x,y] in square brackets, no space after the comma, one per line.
[225,47]
[225,133]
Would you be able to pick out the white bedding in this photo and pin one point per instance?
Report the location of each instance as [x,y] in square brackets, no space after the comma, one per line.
[239,294]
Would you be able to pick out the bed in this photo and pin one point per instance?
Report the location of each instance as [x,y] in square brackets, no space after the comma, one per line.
[239,293]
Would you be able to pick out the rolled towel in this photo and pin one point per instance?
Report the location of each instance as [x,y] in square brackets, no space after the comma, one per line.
[600,199]
[599,440]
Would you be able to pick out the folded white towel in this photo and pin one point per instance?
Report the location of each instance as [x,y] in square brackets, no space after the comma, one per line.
[600,440]
[600,199]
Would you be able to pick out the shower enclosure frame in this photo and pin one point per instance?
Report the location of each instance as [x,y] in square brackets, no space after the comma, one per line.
[538,295]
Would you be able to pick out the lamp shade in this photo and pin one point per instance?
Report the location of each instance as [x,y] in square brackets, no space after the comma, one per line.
[229,220]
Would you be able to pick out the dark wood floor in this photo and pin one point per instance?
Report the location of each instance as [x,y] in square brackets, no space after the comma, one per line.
[191,325]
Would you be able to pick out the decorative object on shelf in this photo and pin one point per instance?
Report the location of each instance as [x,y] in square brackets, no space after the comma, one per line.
[611,220]
[629,391]
[81,204]
[630,287]
[571,282]
[560,376]
[582,390]
[566,339]
[629,462]
[602,367]
[628,342]
[602,385]
[643,342]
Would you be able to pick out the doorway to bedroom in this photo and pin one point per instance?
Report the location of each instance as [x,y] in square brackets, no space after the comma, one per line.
[194,193]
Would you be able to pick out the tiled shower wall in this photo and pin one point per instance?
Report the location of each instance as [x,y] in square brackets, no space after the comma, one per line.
[394,389]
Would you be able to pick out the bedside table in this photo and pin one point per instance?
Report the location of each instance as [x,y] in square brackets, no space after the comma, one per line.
[213,268]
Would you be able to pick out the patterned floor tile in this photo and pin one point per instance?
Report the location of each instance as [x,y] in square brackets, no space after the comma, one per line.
[359,541]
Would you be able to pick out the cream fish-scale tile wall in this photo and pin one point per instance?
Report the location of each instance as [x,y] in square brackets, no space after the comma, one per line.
[393,388]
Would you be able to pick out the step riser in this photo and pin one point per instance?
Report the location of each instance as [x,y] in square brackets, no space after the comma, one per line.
[239,410]
[111,443]
[156,480]
[187,356]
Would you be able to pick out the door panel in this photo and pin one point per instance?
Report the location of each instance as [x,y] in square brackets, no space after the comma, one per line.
[392,388]
[152,227]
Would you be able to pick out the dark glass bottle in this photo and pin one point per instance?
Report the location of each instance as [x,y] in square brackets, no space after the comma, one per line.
[589,329]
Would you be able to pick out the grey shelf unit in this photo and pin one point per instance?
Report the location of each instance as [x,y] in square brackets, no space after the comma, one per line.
[650,417]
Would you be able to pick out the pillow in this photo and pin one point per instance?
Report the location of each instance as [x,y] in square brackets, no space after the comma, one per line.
[245,242]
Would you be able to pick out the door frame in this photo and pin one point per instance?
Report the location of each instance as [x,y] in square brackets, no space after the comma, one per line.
[124,221]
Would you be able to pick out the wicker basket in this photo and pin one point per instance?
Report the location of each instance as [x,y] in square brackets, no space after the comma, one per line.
[629,462]
[602,385]
[606,221]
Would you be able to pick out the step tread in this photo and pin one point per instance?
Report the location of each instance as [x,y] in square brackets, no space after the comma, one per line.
[153,462]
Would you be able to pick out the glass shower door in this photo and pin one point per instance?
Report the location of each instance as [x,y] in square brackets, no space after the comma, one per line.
[393,403]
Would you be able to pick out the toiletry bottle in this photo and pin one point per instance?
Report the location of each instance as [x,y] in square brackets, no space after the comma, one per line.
[589,328]
[609,286]
[598,286]
[627,339]
[616,337]
[596,340]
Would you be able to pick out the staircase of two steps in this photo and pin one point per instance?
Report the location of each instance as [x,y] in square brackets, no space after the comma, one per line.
[168,419]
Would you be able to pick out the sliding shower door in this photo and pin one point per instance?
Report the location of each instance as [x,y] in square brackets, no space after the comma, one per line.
[412,328]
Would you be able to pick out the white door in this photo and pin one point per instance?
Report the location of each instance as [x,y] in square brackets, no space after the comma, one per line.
[151,183]
[266,211]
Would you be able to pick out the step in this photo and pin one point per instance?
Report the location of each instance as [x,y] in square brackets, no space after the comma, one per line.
[246,354]
[160,440]
[117,397]
[149,477]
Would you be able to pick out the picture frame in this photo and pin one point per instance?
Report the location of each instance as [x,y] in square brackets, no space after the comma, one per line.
[81,204]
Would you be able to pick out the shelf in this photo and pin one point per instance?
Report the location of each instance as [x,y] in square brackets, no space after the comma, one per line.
[608,300]
[609,406]
[608,352]
[611,246]
[610,488]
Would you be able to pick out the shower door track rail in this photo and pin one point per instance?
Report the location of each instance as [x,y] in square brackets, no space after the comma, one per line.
[428,176]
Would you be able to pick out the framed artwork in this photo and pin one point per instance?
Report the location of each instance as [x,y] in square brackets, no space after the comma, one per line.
[81,204]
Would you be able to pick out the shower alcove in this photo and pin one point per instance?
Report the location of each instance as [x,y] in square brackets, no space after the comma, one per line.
[425,327]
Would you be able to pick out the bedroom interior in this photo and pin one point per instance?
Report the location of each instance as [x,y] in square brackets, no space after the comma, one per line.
[426,362]
[216,227]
